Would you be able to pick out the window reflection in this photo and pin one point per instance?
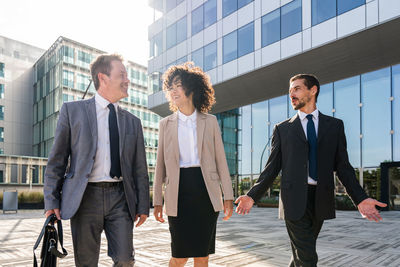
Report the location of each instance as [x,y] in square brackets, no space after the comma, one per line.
[375,94]
[347,99]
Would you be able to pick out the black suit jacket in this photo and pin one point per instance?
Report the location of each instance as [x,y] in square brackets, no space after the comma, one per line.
[289,153]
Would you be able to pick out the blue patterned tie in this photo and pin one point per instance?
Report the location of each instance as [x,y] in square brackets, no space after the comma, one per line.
[312,145]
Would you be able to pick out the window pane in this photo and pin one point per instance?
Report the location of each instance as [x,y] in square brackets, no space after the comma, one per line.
[228,7]
[210,56]
[197,20]
[1,69]
[181,29]
[270,28]
[376,109]
[171,36]
[291,110]
[246,39]
[170,4]
[325,99]
[347,99]
[1,113]
[2,91]
[291,18]
[210,12]
[242,3]
[346,5]
[229,47]
[246,142]
[322,10]
[396,111]
[181,60]
[197,57]
[158,44]
[260,134]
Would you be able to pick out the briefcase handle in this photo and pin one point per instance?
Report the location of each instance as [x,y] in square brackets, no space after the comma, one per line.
[53,249]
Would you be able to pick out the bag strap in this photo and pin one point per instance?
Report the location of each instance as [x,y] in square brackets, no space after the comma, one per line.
[53,249]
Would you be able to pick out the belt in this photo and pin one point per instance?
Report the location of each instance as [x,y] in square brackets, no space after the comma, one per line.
[105,184]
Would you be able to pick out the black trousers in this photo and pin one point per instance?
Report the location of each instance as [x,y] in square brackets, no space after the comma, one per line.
[303,234]
[103,208]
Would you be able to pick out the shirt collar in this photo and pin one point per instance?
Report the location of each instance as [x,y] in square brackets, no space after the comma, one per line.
[103,102]
[303,115]
[191,117]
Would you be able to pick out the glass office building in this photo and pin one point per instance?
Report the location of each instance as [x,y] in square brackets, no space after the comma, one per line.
[251,48]
[62,74]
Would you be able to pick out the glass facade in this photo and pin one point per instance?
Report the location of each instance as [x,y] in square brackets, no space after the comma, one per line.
[1,134]
[230,6]
[1,91]
[1,70]
[1,113]
[281,23]
[210,56]
[176,33]
[322,10]
[238,43]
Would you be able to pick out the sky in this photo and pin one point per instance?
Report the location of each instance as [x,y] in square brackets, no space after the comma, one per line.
[114,26]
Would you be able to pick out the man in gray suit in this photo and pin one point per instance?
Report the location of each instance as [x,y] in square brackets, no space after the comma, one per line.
[96,173]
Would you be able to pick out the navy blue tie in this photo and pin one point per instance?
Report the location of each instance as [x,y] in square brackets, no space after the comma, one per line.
[312,145]
[115,170]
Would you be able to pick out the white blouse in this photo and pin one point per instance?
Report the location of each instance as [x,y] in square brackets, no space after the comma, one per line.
[187,139]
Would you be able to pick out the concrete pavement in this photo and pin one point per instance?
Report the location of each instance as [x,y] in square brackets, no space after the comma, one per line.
[258,239]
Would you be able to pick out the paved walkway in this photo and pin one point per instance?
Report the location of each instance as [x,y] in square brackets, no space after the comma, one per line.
[258,239]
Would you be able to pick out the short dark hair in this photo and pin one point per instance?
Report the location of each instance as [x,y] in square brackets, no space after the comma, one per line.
[309,81]
[194,81]
[102,64]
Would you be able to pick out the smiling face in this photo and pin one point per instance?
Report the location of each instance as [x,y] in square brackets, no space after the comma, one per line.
[176,94]
[118,82]
[300,95]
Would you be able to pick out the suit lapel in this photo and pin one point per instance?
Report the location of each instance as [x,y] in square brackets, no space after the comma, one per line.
[201,123]
[92,118]
[121,130]
[297,128]
[323,125]
[172,135]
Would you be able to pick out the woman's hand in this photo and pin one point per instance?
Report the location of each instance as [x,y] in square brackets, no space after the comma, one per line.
[158,213]
[228,209]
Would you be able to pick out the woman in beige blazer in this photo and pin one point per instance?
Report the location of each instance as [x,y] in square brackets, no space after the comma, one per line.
[191,164]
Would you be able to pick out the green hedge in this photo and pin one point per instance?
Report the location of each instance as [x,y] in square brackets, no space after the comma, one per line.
[27,197]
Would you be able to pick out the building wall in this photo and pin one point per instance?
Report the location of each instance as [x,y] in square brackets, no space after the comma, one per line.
[232,38]
[16,96]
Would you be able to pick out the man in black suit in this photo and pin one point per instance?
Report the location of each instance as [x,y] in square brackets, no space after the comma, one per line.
[308,148]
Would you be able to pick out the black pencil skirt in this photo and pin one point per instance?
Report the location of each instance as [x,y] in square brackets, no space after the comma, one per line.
[193,230]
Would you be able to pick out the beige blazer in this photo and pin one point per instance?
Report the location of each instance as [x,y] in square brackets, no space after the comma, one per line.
[212,162]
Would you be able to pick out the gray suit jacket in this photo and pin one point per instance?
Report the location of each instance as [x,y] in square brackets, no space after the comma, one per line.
[76,140]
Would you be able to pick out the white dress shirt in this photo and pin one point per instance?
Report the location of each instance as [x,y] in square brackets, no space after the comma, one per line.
[187,139]
[102,161]
[304,122]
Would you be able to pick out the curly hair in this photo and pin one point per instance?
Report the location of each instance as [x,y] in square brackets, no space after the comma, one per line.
[194,81]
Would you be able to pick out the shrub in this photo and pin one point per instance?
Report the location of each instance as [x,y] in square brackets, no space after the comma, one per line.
[343,202]
[30,197]
[268,200]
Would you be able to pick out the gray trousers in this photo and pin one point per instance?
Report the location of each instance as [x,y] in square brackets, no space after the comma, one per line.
[103,208]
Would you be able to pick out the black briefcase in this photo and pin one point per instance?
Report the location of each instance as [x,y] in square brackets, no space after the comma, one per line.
[51,237]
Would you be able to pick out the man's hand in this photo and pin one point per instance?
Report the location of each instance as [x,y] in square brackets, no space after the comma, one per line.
[368,210]
[158,213]
[245,203]
[228,209]
[53,211]
[142,219]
